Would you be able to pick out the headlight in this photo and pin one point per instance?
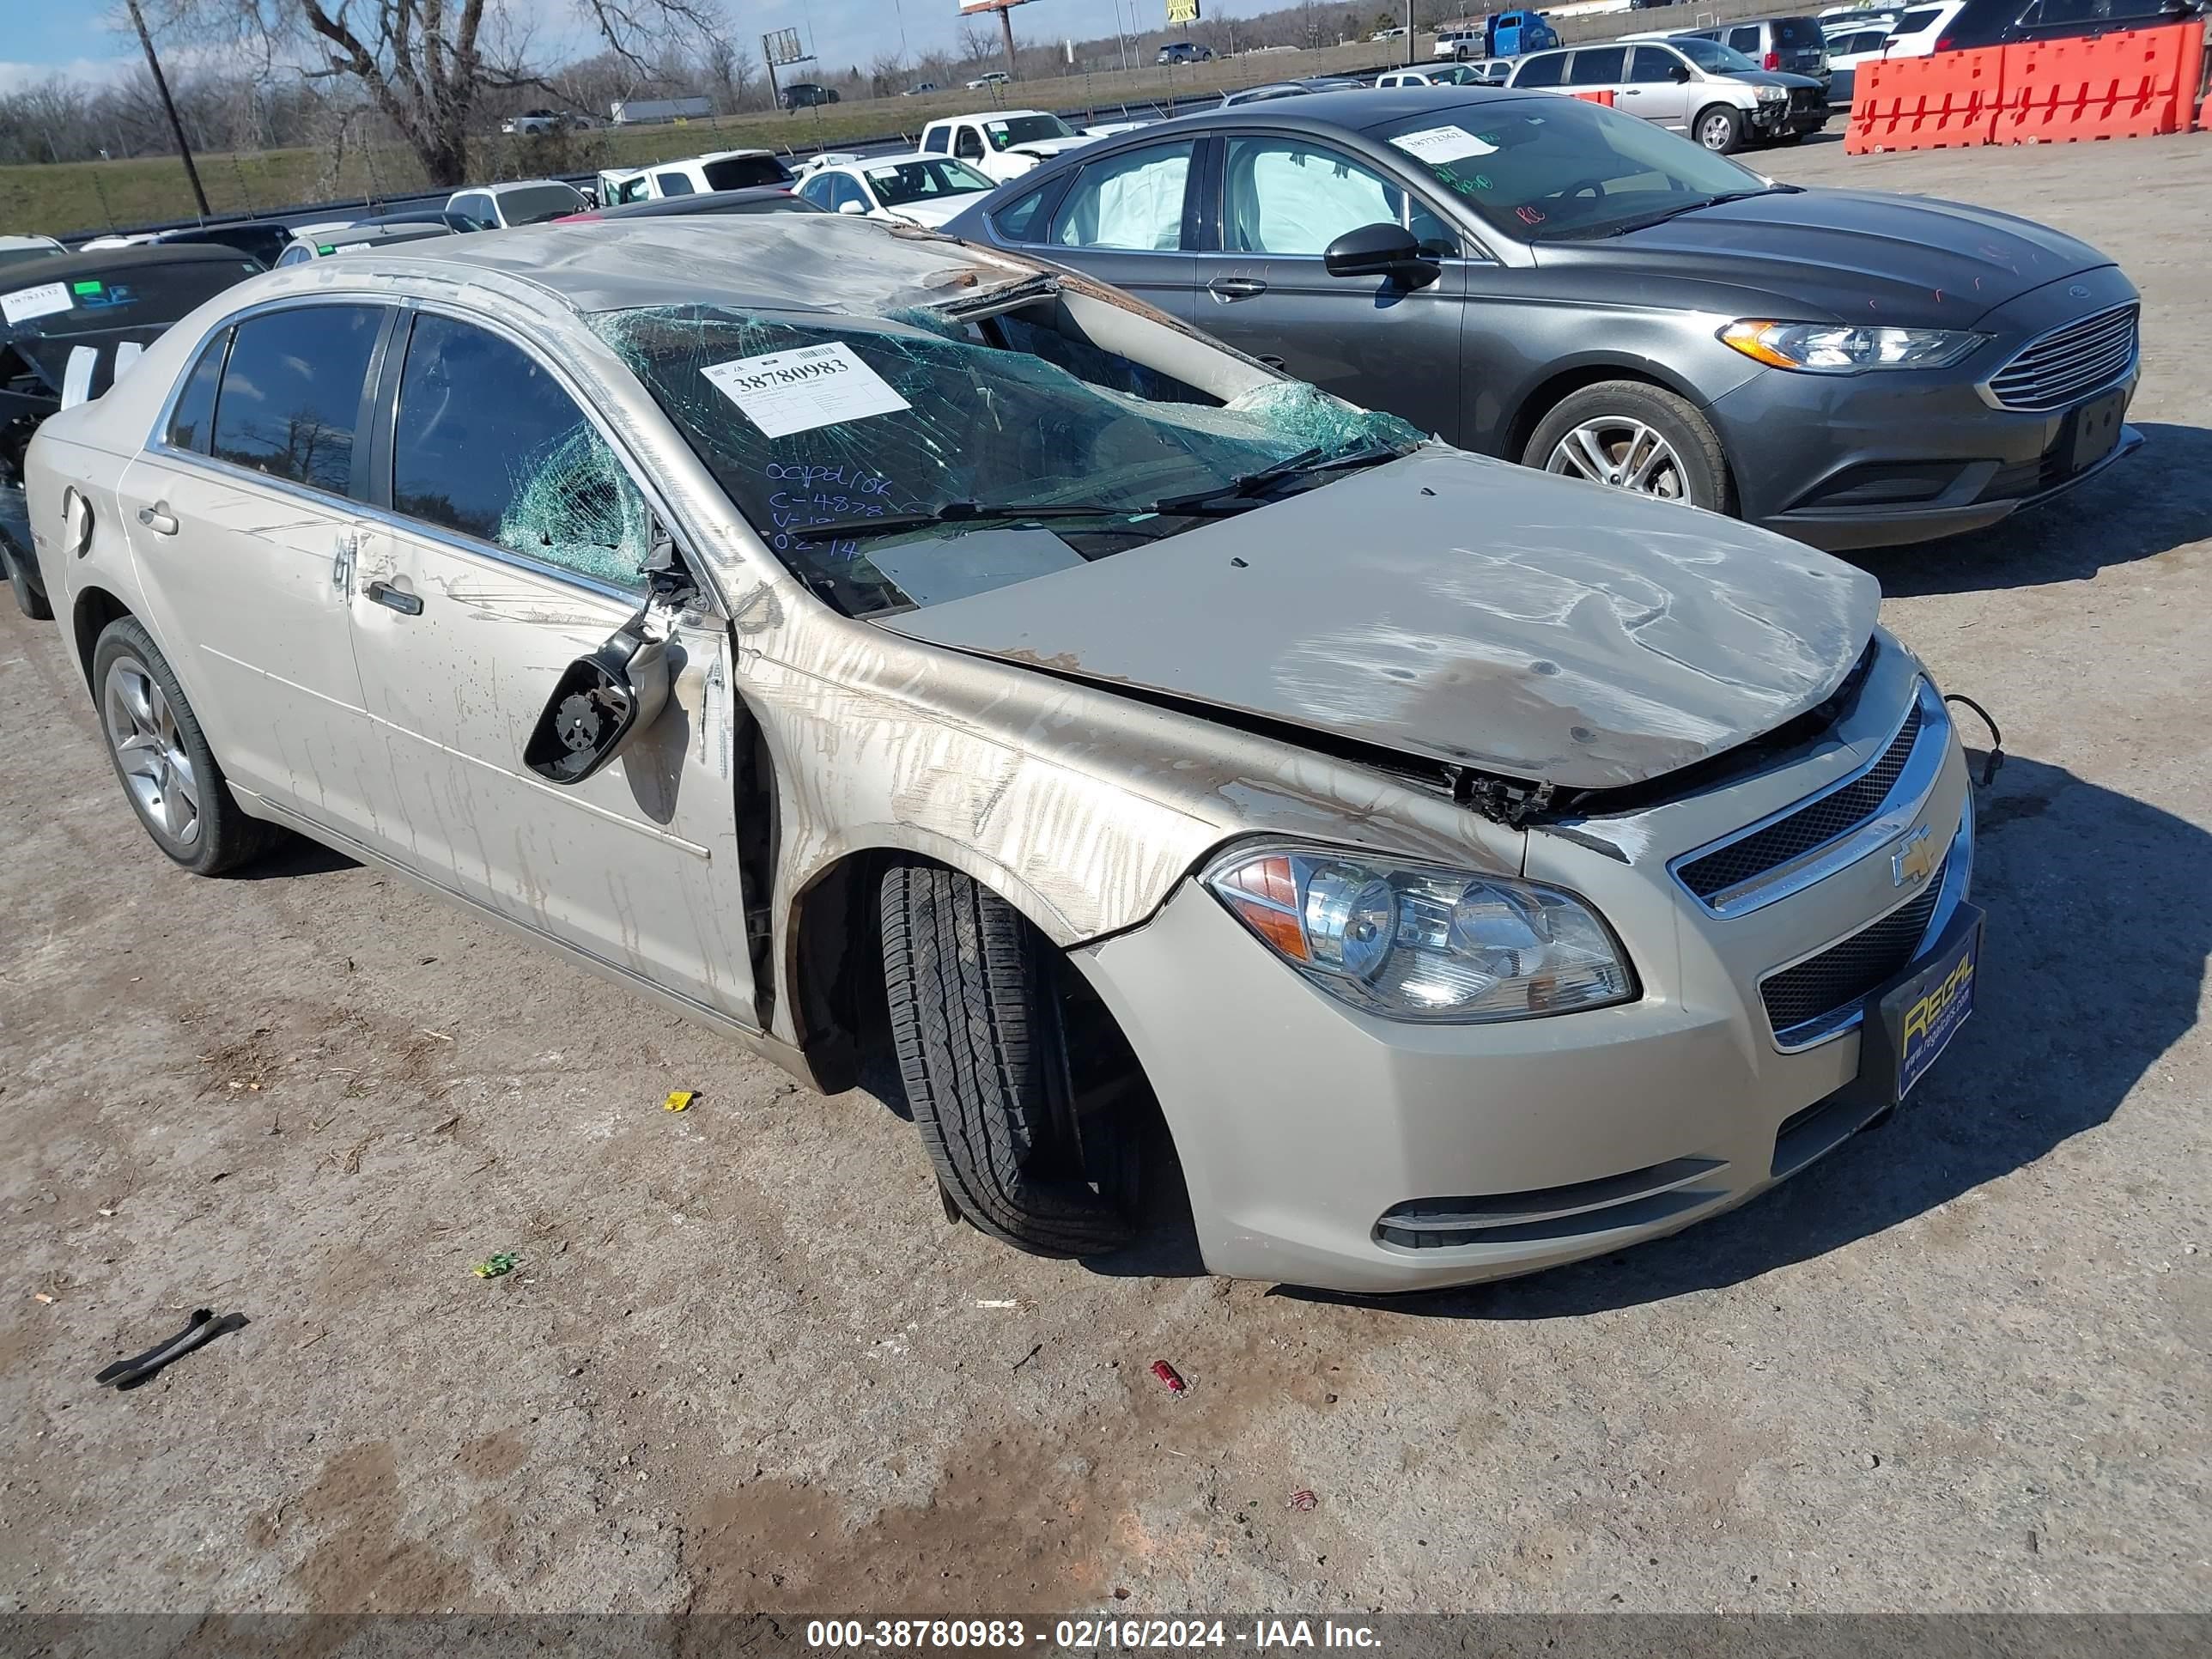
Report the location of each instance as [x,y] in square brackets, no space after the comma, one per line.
[1774,94]
[1844,349]
[1412,941]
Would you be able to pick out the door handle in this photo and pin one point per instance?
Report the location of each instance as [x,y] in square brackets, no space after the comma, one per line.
[1235,287]
[158,519]
[407,604]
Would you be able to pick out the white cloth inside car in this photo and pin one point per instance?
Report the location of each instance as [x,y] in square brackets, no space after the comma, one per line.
[1133,202]
[1298,201]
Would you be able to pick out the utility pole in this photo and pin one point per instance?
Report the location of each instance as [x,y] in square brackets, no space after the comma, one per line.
[1409,34]
[169,105]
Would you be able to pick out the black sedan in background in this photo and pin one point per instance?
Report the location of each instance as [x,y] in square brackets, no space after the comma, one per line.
[67,327]
[1547,280]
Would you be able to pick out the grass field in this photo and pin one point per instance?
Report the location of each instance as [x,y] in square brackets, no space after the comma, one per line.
[98,195]
[87,195]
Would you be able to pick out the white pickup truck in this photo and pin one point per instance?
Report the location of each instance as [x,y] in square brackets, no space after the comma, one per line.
[1001,144]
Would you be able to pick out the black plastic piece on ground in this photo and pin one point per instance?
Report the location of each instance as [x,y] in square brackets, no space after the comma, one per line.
[202,1328]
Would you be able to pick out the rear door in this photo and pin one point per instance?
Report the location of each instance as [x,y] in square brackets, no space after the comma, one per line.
[509,543]
[244,516]
[1282,198]
[1128,219]
[1599,69]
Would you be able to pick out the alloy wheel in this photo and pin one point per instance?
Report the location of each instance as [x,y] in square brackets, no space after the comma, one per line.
[150,751]
[1624,453]
[1716,132]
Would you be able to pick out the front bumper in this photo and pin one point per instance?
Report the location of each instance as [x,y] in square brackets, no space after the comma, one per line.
[1310,1134]
[1886,459]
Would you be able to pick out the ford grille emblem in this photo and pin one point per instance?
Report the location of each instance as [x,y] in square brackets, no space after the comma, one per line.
[2078,291]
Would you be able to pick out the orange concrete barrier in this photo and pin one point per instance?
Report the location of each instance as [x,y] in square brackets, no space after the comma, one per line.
[2138,84]
[1943,101]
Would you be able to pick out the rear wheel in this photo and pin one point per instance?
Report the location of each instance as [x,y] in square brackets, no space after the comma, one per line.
[28,599]
[1632,436]
[167,771]
[978,1019]
[1719,129]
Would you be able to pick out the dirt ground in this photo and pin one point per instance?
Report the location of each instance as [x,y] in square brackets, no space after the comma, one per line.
[746,1364]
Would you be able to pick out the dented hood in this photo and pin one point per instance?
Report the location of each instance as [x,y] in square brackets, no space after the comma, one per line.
[1457,609]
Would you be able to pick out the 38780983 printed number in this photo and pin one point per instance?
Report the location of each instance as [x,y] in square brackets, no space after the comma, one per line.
[1069,1634]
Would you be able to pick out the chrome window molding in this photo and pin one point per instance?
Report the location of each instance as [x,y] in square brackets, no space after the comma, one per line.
[1958,879]
[1891,819]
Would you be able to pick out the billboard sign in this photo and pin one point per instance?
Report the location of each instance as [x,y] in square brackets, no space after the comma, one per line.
[782,46]
[1183,11]
[967,6]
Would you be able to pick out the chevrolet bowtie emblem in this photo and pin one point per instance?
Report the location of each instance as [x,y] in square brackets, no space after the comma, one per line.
[1915,858]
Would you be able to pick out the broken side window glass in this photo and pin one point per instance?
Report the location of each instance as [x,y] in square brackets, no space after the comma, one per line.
[487,443]
[816,422]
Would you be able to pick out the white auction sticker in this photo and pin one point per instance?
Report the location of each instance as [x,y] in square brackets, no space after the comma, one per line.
[788,391]
[43,300]
[1438,145]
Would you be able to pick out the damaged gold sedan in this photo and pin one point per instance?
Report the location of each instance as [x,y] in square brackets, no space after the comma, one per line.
[893,652]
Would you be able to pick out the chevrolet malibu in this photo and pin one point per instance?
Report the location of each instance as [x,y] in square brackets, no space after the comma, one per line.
[888,650]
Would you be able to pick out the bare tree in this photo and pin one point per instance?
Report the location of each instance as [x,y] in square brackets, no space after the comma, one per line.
[426,65]
[978,42]
[729,68]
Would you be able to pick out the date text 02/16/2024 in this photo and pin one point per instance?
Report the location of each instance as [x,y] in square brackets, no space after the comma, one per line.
[1087,1635]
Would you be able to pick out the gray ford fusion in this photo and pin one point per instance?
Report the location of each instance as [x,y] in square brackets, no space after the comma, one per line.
[1532,276]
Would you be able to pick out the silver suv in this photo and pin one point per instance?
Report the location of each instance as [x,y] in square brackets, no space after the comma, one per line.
[1689,85]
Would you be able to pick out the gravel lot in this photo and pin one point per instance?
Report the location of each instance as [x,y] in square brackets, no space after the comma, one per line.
[745,1362]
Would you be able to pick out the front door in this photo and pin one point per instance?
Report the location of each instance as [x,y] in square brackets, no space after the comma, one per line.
[244,519]
[1657,87]
[1367,339]
[513,547]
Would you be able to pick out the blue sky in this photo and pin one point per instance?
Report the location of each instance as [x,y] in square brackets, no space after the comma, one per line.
[43,39]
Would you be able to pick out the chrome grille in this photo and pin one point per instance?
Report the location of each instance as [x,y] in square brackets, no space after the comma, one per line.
[2067,363]
[1820,821]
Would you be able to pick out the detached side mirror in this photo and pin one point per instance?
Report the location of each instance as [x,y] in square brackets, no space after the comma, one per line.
[598,705]
[1380,250]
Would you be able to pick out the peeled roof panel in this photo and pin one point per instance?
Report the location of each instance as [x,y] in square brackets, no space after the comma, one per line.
[826,263]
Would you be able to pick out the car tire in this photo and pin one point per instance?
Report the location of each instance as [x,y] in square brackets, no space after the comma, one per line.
[168,774]
[974,1019]
[1604,434]
[1719,129]
[28,599]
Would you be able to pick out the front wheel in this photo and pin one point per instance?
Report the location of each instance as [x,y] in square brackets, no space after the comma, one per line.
[1720,130]
[977,1019]
[1629,435]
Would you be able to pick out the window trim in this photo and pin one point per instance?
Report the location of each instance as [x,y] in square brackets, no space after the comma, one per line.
[1472,249]
[381,511]
[1187,227]
[224,335]
[157,441]
[378,409]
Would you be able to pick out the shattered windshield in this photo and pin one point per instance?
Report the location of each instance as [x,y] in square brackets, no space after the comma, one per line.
[1027,130]
[894,465]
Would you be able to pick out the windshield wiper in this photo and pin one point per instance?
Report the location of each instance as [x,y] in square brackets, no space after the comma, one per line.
[1246,486]
[893,523]
[1665,214]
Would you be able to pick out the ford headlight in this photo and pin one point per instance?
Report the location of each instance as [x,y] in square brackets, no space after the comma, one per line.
[1845,349]
[1412,941]
[1774,94]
